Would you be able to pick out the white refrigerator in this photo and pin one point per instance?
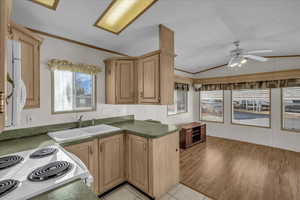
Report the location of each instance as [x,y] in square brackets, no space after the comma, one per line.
[16,90]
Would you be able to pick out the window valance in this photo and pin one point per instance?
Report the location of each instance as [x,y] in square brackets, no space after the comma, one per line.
[182,86]
[251,85]
[56,64]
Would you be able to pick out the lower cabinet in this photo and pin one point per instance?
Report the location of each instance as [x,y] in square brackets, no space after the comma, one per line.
[87,152]
[163,164]
[137,166]
[152,165]
[111,162]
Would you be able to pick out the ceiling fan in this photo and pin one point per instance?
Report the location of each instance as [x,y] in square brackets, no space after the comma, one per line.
[240,56]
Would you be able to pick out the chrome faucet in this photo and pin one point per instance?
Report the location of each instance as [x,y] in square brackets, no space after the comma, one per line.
[80,121]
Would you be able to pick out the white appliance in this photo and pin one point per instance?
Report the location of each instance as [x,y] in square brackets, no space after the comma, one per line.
[16,89]
[28,185]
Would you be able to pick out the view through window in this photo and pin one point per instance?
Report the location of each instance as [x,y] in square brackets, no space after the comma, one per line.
[211,106]
[291,108]
[251,107]
[73,91]
[180,103]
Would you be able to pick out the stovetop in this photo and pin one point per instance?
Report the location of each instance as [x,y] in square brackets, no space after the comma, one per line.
[36,171]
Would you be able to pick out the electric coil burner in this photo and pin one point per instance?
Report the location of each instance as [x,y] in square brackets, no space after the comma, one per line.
[49,171]
[9,161]
[8,186]
[43,152]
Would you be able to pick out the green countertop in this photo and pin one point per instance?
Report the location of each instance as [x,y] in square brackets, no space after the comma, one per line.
[73,191]
[77,190]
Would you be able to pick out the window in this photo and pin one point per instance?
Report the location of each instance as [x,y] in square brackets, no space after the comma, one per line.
[181,103]
[73,91]
[251,107]
[291,108]
[211,106]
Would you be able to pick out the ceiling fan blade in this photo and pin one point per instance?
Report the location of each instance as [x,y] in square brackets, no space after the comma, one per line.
[257,58]
[230,61]
[259,51]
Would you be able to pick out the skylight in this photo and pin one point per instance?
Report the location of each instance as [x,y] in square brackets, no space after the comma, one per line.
[52,4]
[121,13]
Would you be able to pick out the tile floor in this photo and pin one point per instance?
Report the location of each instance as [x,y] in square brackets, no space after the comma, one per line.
[179,192]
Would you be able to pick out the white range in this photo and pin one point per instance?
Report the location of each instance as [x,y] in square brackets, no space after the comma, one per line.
[29,173]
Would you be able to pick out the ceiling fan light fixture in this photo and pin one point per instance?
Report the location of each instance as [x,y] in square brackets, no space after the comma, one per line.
[244,61]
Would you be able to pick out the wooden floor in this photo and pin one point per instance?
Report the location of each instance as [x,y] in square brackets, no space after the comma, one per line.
[230,170]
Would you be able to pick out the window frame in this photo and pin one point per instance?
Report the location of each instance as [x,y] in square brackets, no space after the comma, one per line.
[94,108]
[200,114]
[187,105]
[249,125]
[281,116]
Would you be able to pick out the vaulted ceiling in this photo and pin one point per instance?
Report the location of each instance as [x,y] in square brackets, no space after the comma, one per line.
[204,29]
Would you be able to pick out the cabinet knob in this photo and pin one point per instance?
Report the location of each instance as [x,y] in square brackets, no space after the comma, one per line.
[176,150]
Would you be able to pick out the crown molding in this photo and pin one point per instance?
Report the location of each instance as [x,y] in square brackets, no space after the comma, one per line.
[75,42]
[220,66]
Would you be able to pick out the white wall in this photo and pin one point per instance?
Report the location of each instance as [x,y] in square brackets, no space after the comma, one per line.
[274,136]
[53,48]
[274,64]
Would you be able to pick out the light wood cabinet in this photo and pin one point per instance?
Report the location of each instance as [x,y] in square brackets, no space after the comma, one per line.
[167,55]
[163,164]
[87,152]
[125,79]
[120,78]
[148,77]
[111,162]
[152,78]
[30,62]
[138,162]
[5,11]
[153,164]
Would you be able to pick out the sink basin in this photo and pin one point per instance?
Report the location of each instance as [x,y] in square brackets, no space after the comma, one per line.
[81,133]
[100,129]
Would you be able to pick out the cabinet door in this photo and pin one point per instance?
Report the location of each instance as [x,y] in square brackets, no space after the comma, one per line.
[30,63]
[164,164]
[87,152]
[5,7]
[138,162]
[148,73]
[111,162]
[125,80]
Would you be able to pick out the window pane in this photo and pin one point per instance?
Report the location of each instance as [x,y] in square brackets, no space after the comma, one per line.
[63,91]
[84,90]
[73,91]
[291,108]
[211,105]
[181,101]
[251,107]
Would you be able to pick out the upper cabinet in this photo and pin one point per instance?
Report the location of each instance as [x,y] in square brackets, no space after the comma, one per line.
[5,8]
[148,79]
[125,79]
[30,62]
[120,78]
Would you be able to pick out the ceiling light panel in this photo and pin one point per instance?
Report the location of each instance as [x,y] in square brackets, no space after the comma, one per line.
[121,13]
[52,4]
